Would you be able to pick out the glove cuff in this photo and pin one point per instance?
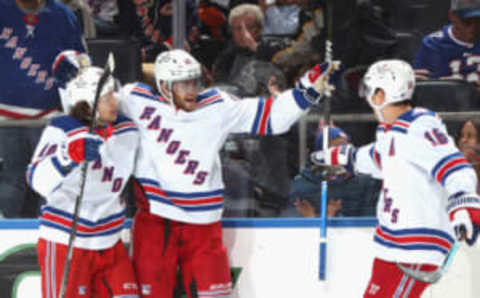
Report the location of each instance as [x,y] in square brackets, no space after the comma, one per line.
[76,150]
[461,200]
[309,92]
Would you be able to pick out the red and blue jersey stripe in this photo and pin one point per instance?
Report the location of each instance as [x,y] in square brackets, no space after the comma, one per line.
[30,170]
[208,98]
[125,126]
[76,131]
[414,239]
[262,124]
[189,201]
[375,157]
[400,126]
[146,91]
[62,220]
[382,127]
[448,165]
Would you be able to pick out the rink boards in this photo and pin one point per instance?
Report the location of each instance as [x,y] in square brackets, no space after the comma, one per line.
[269,258]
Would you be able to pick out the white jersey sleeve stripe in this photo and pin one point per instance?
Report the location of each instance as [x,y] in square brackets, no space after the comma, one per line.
[262,124]
[448,165]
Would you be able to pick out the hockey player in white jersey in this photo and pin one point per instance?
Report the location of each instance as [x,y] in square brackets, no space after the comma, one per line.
[180,188]
[100,266]
[429,194]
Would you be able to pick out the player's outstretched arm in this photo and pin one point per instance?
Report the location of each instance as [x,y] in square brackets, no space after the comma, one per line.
[270,116]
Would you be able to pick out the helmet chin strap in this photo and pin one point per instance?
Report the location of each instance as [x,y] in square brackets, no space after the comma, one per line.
[378,112]
[167,91]
[377,109]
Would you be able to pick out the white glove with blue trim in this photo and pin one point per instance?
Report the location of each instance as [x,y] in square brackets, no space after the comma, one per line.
[314,83]
[336,160]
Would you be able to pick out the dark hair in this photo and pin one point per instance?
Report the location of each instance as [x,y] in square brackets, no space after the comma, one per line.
[476,124]
[82,112]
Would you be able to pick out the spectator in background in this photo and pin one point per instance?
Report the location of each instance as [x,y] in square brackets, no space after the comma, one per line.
[212,17]
[468,142]
[84,15]
[32,33]
[304,45]
[360,36]
[245,22]
[347,195]
[451,52]
[104,13]
[153,25]
[282,17]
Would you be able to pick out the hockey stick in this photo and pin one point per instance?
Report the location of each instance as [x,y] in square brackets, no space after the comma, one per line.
[107,72]
[322,274]
[434,276]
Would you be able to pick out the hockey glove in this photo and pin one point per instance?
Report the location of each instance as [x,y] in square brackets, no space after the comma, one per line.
[84,149]
[464,213]
[336,161]
[78,149]
[313,83]
[67,64]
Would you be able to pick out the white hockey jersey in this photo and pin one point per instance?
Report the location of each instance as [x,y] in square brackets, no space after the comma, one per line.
[179,164]
[420,167]
[102,212]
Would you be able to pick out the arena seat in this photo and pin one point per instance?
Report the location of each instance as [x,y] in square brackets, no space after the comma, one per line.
[446,95]
[128,61]
[407,45]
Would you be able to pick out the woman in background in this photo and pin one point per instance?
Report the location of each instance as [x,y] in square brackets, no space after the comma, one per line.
[468,143]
